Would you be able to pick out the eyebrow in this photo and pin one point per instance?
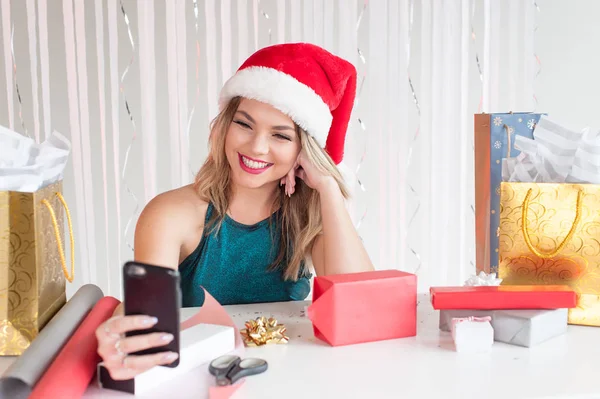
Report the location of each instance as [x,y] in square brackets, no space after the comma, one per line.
[278,127]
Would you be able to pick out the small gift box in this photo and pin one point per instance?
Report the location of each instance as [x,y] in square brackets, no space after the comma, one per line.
[503,297]
[528,327]
[472,334]
[446,316]
[364,307]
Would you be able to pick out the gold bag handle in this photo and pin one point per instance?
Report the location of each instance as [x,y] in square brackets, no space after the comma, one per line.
[61,251]
[560,247]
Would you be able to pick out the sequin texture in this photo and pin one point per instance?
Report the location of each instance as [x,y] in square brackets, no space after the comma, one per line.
[233,266]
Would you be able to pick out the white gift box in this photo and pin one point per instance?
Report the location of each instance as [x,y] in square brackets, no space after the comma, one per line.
[198,345]
[472,334]
[446,316]
[523,327]
[526,327]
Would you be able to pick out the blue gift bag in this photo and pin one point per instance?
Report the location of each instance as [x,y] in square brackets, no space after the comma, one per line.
[494,140]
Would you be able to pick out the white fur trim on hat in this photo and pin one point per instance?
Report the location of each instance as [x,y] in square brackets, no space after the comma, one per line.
[287,94]
[348,175]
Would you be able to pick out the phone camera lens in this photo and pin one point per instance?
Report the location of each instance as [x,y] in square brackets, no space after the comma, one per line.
[137,271]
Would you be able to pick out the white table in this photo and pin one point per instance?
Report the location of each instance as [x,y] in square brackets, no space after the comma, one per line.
[425,366]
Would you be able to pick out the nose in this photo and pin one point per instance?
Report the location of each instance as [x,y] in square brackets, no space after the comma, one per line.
[260,144]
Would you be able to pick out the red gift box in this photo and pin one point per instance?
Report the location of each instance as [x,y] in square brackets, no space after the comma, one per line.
[504,297]
[364,307]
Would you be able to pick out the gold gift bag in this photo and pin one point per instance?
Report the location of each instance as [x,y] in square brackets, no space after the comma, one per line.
[32,264]
[550,234]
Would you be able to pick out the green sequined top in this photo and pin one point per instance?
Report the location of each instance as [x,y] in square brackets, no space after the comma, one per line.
[232,264]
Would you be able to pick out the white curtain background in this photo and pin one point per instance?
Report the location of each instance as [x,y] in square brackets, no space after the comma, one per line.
[134,85]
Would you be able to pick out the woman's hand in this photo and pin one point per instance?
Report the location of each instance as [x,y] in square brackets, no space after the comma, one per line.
[114,348]
[304,169]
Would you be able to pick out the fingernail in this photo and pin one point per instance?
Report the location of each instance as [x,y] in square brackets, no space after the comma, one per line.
[169,357]
[166,337]
[149,321]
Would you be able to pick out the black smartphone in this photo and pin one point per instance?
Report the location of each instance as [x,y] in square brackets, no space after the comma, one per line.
[153,291]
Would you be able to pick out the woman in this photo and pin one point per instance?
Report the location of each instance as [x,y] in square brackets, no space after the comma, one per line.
[268,198]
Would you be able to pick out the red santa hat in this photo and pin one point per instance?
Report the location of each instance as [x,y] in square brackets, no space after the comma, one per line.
[315,88]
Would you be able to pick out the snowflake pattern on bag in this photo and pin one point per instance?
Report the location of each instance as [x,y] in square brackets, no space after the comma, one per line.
[516,124]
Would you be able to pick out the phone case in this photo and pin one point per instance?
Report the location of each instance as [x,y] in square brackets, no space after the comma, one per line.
[153,291]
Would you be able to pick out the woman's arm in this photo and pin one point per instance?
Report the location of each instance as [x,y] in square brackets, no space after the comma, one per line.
[169,227]
[156,239]
[339,249]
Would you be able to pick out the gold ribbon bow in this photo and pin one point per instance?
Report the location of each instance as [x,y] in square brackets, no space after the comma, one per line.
[263,331]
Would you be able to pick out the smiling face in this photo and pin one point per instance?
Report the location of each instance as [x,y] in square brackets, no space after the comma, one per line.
[261,145]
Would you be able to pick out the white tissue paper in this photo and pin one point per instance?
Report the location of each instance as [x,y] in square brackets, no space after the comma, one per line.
[26,166]
[483,279]
[472,334]
[555,155]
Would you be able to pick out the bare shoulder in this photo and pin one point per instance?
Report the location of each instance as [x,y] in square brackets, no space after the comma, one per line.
[181,205]
[171,221]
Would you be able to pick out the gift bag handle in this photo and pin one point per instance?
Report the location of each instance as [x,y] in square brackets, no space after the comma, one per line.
[560,247]
[508,141]
[61,251]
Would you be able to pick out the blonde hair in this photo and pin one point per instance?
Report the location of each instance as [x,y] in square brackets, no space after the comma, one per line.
[300,215]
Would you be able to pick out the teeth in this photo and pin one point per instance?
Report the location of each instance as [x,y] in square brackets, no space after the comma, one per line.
[253,164]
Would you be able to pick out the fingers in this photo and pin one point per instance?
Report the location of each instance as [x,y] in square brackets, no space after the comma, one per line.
[131,366]
[290,181]
[290,184]
[121,373]
[107,340]
[113,347]
[122,324]
[121,365]
[134,365]
[141,342]
[145,362]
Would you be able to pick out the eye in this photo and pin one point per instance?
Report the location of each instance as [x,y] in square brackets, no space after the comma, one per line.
[283,137]
[242,124]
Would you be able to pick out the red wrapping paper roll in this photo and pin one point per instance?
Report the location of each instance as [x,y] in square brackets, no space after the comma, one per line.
[71,372]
